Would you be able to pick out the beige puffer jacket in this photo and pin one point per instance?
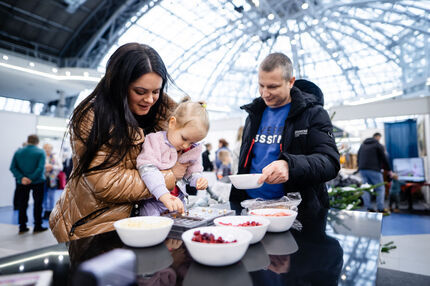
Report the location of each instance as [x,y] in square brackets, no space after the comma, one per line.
[92,204]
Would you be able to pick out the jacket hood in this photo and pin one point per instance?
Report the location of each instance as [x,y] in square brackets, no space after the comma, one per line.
[370,141]
[311,89]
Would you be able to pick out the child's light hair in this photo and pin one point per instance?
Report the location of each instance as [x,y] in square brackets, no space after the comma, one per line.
[188,110]
[224,157]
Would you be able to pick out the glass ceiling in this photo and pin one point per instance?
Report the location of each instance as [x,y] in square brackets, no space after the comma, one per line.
[352,49]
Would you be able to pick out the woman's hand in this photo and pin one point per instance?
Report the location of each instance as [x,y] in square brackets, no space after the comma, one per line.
[201,184]
[172,203]
[179,170]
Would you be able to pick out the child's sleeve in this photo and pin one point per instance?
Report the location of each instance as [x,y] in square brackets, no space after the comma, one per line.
[193,179]
[193,156]
[149,163]
[154,180]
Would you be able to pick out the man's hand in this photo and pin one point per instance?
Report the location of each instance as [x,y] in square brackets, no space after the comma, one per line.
[172,203]
[279,263]
[179,170]
[275,173]
[201,184]
[25,181]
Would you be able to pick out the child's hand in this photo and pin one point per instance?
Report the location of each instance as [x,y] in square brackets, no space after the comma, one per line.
[172,203]
[201,184]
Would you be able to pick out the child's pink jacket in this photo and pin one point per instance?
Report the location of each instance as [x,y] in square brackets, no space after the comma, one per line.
[159,153]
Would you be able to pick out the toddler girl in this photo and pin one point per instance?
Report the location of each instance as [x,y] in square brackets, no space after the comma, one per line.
[225,168]
[188,125]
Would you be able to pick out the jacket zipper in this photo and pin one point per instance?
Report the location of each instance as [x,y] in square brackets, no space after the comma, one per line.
[86,219]
[249,152]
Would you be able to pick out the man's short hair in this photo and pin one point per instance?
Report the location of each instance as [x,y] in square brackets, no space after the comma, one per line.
[278,60]
[33,139]
[377,134]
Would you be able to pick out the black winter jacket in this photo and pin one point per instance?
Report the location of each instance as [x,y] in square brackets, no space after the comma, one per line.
[307,145]
[371,156]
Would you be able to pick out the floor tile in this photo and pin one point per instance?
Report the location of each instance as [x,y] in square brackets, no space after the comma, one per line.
[411,255]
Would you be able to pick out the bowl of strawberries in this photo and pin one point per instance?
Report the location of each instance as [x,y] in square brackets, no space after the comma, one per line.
[257,226]
[280,219]
[217,246]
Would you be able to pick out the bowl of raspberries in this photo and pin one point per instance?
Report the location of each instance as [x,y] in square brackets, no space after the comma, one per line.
[216,246]
[257,226]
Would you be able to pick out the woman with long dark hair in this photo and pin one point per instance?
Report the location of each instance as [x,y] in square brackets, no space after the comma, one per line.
[107,130]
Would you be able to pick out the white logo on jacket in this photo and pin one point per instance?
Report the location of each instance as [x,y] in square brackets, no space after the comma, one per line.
[298,133]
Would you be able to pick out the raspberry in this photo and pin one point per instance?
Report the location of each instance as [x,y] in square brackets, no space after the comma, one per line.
[209,238]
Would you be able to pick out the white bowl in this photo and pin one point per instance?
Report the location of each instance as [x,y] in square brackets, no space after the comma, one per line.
[257,231]
[245,181]
[280,243]
[143,231]
[218,254]
[277,223]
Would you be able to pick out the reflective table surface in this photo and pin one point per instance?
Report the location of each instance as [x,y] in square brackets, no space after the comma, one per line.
[341,249]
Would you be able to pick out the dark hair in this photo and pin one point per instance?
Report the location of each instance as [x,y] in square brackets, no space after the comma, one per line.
[223,142]
[114,125]
[278,60]
[33,139]
[376,135]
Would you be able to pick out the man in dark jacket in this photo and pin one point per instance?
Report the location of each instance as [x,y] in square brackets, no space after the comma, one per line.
[28,168]
[288,138]
[371,159]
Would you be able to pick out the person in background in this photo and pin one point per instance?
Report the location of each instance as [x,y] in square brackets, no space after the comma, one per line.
[371,158]
[395,189]
[288,137]
[53,166]
[67,167]
[16,194]
[107,130]
[28,167]
[224,169]
[188,125]
[222,145]
[208,166]
[236,151]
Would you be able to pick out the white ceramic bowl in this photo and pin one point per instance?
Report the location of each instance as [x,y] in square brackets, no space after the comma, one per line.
[277,223]
[218,254]
[245,181]
[143,231]
[257,231]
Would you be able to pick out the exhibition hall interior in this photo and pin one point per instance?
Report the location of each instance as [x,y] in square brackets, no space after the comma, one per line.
[317,131]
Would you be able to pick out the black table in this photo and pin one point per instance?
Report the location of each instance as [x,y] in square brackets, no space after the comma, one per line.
[341,249]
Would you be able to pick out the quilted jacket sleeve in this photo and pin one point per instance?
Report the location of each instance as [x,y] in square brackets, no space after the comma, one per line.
[121,184]
[321,163]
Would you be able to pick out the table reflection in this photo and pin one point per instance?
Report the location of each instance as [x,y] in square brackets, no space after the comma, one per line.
[340,249]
